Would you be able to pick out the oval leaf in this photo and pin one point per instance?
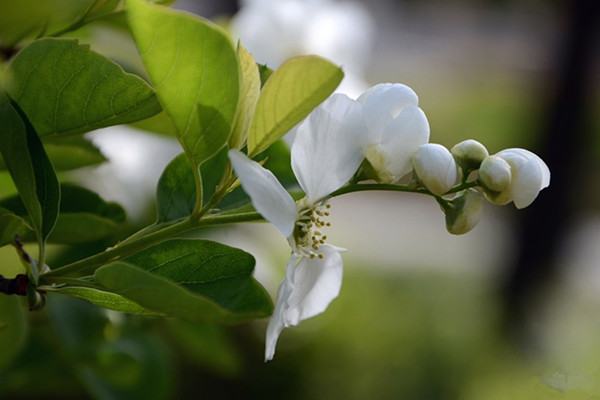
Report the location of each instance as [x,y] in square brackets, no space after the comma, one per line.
[198,280]
[193,66]
[288,96]
[64,88]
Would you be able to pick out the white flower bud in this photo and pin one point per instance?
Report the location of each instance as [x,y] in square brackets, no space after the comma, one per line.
[529,175]
[469,154]
[495,174]
[435,168]
[463,212]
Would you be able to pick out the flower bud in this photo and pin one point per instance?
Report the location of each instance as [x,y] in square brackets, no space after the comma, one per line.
[463,212]
[495,174]
[435,168]
[469,154]
[529,175]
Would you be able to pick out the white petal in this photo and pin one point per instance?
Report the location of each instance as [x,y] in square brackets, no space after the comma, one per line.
[276,323]
[401,139]
[329,146]
[382,103]
[316,282]
[435,167]
[529,175]
[269,198]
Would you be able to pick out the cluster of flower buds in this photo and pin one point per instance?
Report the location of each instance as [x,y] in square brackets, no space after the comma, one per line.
[516,175]
[397,143]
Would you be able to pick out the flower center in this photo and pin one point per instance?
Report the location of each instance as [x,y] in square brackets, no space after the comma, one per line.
[309,235]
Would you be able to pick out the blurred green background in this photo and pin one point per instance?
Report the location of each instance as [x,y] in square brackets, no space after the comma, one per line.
[421,314]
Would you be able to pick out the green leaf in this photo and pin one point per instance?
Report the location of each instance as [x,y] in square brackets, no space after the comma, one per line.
[11,225]
[249,93]
[116,361]
[64,88]
[265,72]
[84,216]
[30,169]
[69,153]
[159,123]
[288,96]
[72,152]
[30,18]
[12,329]
[198,280]
[193,66]
[104,299]
[176,191]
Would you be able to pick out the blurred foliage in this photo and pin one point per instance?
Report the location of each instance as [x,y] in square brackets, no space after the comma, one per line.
[411,334]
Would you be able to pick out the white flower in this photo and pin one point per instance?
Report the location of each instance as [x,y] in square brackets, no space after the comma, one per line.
[435,167]
[327,151]
[529,174]
[396,127]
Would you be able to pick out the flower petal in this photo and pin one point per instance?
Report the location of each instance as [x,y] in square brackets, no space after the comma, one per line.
[435,168]
[383,103]
[329,146]
[316,282]
[269,198]
[276,323]
[401,139]
[530,174]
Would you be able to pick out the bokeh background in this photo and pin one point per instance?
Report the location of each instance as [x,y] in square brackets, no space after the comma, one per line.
[509,310]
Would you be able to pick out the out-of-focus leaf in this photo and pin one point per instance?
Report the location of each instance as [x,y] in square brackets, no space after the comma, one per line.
[72,152]
[11,225]
[12,329]
[64,88]
[30,170]
[288,96]
[69,153]
[84,216]
[105,299]
[198,280]
[206,345]
[193,66]
[30,18]
[176,191]
[249,91]
[113,361]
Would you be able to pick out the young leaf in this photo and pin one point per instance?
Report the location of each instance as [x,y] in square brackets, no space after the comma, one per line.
[193,66]
[249,92]
[64,88]
[198,280]
[288,96]
[30,169]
